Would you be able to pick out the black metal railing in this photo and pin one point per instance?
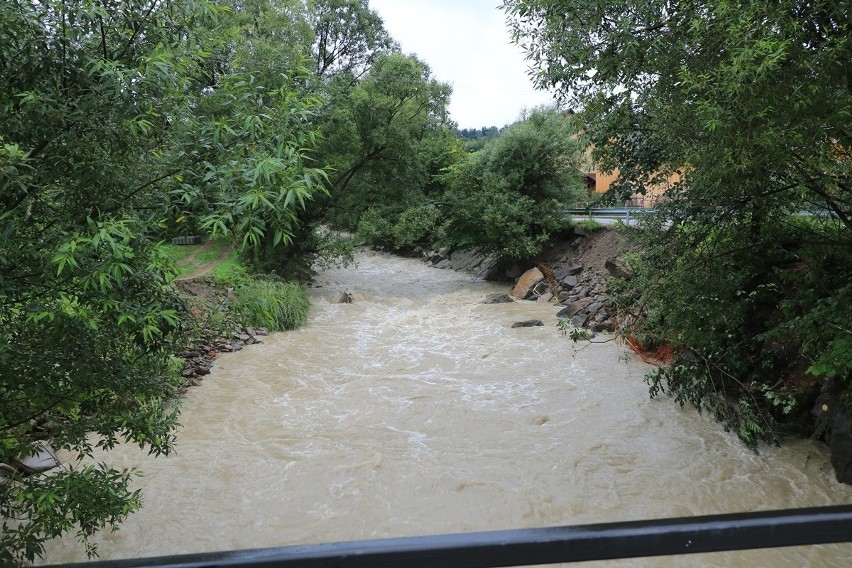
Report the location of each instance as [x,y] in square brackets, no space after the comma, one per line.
[608,541]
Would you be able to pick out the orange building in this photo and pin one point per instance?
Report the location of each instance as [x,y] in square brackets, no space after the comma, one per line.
[599,181]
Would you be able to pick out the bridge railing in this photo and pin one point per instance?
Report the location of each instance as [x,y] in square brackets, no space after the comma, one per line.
[525,547]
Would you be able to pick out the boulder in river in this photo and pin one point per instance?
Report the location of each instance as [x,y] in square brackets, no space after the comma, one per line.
[466,260]
[569,282]
[841,446]
[497,299]
[829,410]
[605,325]
[342,298]
[42,458]
[526,282]
[579,320]
[575,307]
[6,471]
[514,271]
[528,323]
[567,269]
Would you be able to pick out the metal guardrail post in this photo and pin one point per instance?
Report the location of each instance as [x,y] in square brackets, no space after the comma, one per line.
[688,535]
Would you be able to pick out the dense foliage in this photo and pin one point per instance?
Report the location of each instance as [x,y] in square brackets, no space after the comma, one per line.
[377,132]
[347,37]
[751,103]
[253,131]
[113,114]
[508,198]
[377,107]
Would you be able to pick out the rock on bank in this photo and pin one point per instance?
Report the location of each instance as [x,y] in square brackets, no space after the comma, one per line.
[572,273]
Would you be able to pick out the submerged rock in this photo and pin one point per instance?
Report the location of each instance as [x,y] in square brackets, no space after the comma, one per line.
[342,298]
[528,323]
[497,299]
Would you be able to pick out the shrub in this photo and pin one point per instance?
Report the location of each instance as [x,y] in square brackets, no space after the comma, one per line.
[375,229]
[754,329]
[415,227]
[394,228]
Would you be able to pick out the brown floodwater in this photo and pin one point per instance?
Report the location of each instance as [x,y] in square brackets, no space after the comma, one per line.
[418,410]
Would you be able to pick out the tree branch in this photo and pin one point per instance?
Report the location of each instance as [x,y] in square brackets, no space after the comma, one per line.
[103,37]
[137,29]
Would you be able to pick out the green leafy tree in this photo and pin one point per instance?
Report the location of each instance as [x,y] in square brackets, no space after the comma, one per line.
[257,194]
[508,198]
[381,120]
[385,138]
[348,36]
[251,131]
[751,104]
[111,111]
[321,49]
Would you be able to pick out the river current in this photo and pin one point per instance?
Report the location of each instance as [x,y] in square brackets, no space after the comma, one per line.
[418,410]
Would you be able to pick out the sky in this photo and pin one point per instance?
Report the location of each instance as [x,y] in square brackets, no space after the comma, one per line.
[466,44]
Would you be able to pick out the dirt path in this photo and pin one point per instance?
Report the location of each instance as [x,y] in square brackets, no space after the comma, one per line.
[204,268]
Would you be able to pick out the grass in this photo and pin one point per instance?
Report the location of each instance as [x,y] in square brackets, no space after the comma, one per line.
[588,224]
[180,253]
[263,302]
[230,271]
[214,252]
[176,253]
[185,269]
[276,305]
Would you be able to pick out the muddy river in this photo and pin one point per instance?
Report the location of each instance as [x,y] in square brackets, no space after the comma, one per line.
[418,410]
